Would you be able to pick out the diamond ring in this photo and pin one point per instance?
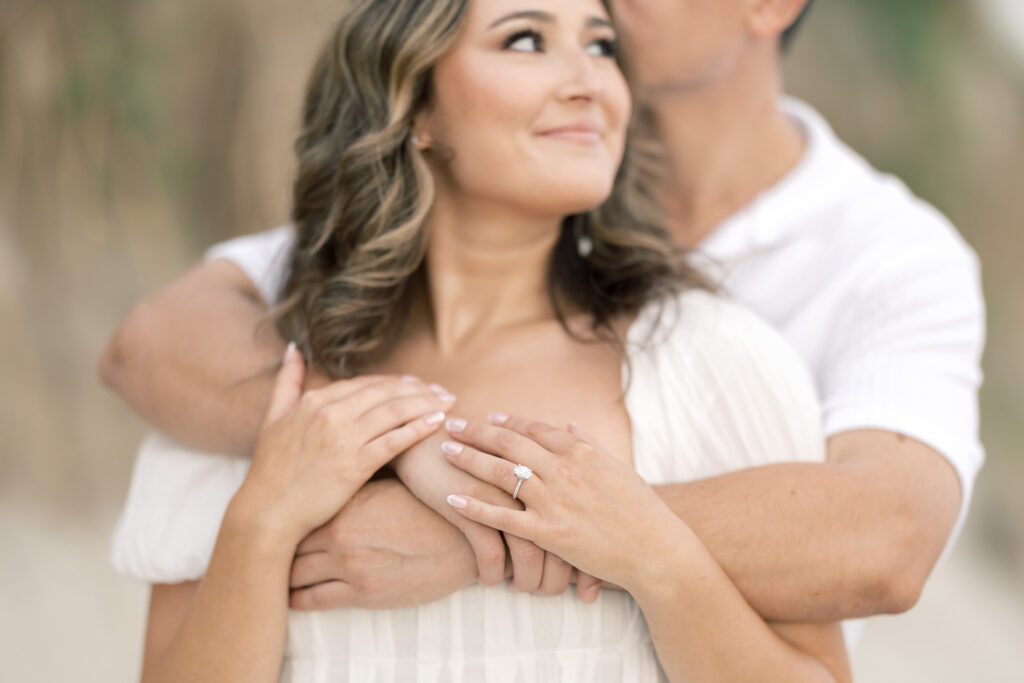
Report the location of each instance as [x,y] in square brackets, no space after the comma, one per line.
[522,473]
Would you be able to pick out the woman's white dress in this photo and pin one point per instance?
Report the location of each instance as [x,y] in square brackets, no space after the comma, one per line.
[714,390]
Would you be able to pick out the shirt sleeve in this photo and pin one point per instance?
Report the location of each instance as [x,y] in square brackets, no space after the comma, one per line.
[907,355]
[263,257]
[171,518]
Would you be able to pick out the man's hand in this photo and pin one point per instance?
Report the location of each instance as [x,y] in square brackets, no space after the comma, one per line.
[430,477]
[384,550]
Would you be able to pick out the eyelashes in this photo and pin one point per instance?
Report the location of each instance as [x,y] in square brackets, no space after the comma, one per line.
[529,40]
[609,47]
[519,38]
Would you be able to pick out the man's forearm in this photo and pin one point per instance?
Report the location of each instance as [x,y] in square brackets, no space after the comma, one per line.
[821,542]
[196,359]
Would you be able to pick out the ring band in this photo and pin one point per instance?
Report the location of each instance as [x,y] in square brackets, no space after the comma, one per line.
[522,473]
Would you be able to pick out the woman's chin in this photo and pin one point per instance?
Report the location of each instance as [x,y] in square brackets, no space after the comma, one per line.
[571,198]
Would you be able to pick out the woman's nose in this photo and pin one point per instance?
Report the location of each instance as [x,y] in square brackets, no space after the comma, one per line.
[583,78]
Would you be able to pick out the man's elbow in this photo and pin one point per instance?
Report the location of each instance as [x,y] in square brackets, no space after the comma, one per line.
[899,591]
[120,355]
[900,574]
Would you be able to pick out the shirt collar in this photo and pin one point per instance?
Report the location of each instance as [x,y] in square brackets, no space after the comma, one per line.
[823,177]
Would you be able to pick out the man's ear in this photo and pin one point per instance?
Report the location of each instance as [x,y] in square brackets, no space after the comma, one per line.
[769,18]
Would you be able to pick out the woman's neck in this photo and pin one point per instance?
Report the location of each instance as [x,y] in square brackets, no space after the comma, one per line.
[487,271]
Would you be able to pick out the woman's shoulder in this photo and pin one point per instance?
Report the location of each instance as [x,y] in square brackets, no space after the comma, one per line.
[714,364]
[709,325]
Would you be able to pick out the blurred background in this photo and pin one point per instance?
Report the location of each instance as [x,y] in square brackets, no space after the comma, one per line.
[133,134]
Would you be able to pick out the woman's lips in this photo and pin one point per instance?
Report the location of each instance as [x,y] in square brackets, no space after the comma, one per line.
[580,134]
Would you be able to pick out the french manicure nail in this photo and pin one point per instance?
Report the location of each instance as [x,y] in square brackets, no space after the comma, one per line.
[457,501]
[451,448]
[438,389]
[289,350]
[446,398]
[410,378]
[592,592]
[497,418]
[455,425]
[434,419]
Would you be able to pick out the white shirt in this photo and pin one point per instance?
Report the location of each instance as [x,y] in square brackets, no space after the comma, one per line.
[874,287]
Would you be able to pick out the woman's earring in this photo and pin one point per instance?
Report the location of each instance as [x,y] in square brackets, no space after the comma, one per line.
[585,246]
[584,243]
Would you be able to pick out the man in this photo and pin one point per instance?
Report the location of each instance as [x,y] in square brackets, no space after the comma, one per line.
[872,286]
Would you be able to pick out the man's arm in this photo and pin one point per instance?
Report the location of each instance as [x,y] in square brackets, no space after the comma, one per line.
[855,536]
[208,391]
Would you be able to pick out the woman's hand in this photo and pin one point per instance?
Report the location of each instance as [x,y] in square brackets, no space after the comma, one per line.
[317,448]
[582,504]
[431,479]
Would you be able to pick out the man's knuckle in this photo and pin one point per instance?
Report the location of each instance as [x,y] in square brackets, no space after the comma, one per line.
[491,555]
[530,553]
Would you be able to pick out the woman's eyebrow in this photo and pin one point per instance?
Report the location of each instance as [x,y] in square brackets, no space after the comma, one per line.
[546,17]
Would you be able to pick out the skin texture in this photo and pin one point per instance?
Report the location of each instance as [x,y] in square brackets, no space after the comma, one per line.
[855,536]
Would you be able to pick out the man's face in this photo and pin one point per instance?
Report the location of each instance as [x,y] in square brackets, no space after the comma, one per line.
[681,44]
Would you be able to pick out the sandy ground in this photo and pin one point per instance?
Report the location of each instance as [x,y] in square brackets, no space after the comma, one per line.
[65,616]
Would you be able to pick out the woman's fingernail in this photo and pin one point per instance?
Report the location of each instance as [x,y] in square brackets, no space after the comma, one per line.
[592,592]
[438,389]
[457,501]
[410,378]
[451,448]
[497,418]
[289,350]
[455,425]
[434,419]
[446,398]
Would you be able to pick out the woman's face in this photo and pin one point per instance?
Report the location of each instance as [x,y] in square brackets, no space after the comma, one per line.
[529,107]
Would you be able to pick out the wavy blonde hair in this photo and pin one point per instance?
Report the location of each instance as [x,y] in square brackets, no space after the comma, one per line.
[363,195]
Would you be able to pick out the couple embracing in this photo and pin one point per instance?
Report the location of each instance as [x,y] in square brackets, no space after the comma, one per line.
[587,356]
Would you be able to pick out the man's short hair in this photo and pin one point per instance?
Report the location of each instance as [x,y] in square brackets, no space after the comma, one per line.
[789,33]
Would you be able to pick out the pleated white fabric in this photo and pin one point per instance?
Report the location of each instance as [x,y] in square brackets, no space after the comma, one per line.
[714,389]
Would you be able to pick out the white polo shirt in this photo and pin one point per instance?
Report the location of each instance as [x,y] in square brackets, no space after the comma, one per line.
[873,286]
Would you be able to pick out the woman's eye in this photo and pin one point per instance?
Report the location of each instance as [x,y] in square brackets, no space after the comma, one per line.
[605,47]
[524,41]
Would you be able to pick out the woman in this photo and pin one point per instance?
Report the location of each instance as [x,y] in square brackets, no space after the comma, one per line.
[450,162]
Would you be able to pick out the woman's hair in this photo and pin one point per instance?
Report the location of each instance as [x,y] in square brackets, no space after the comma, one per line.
[364,192]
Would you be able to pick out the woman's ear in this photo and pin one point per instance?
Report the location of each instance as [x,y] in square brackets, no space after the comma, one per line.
[769,18]
[419,135]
